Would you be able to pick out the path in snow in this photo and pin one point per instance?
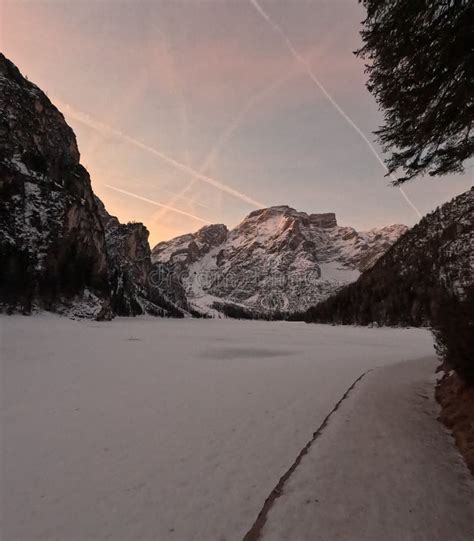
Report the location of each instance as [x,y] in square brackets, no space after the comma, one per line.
[384,468]
[255,531]
[166,429]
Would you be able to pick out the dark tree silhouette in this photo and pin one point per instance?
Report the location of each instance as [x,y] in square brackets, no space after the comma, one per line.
[454,333]
[420,56]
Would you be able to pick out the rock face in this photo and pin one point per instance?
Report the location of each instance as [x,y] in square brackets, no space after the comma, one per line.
[131,272]
[275,259]
[59,249]
[410,284]
[52,244]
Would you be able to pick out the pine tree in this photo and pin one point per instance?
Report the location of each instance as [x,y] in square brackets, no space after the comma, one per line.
[420,57]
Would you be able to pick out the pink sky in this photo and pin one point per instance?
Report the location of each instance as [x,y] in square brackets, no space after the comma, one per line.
[211,86]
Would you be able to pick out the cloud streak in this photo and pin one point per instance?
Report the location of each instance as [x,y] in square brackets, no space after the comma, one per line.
[85,119]
[309,71]
[102,174]
[152,202]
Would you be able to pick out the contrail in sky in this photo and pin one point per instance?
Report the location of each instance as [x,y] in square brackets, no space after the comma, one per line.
[103,174]
[231,128]
[300,59]
[152,202]
[237,121]
[107,130]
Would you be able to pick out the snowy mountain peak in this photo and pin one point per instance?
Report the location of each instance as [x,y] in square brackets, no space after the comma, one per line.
[327,219]
[277,258]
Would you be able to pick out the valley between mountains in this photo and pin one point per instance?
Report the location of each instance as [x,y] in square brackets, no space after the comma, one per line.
[134,408]
[63,252]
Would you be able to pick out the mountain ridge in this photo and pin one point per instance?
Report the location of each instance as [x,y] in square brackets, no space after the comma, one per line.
[276,258]
[409,284]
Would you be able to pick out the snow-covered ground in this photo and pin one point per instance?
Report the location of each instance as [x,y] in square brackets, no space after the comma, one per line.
[383,468]
[166,429]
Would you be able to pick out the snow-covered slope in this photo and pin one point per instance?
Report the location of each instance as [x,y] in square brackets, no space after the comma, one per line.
[432,264]
[276,259]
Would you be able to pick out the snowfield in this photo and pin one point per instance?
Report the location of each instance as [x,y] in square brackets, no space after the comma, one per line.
[166,429]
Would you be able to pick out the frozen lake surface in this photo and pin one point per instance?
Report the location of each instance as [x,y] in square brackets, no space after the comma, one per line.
[166,429]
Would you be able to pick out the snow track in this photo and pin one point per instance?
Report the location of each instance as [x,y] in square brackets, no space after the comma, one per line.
[384,468]
[255,531]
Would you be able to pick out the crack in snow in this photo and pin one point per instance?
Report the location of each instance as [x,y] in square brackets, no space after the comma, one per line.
[256,529]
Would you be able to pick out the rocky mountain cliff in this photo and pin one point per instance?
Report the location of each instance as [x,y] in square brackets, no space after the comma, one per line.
[132,274]
[59,249]
[428,268]
[276,259]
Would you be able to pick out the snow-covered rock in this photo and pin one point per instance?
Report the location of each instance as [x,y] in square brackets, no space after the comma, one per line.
[131,272]
[52,245]
[59,248]
[276,259]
